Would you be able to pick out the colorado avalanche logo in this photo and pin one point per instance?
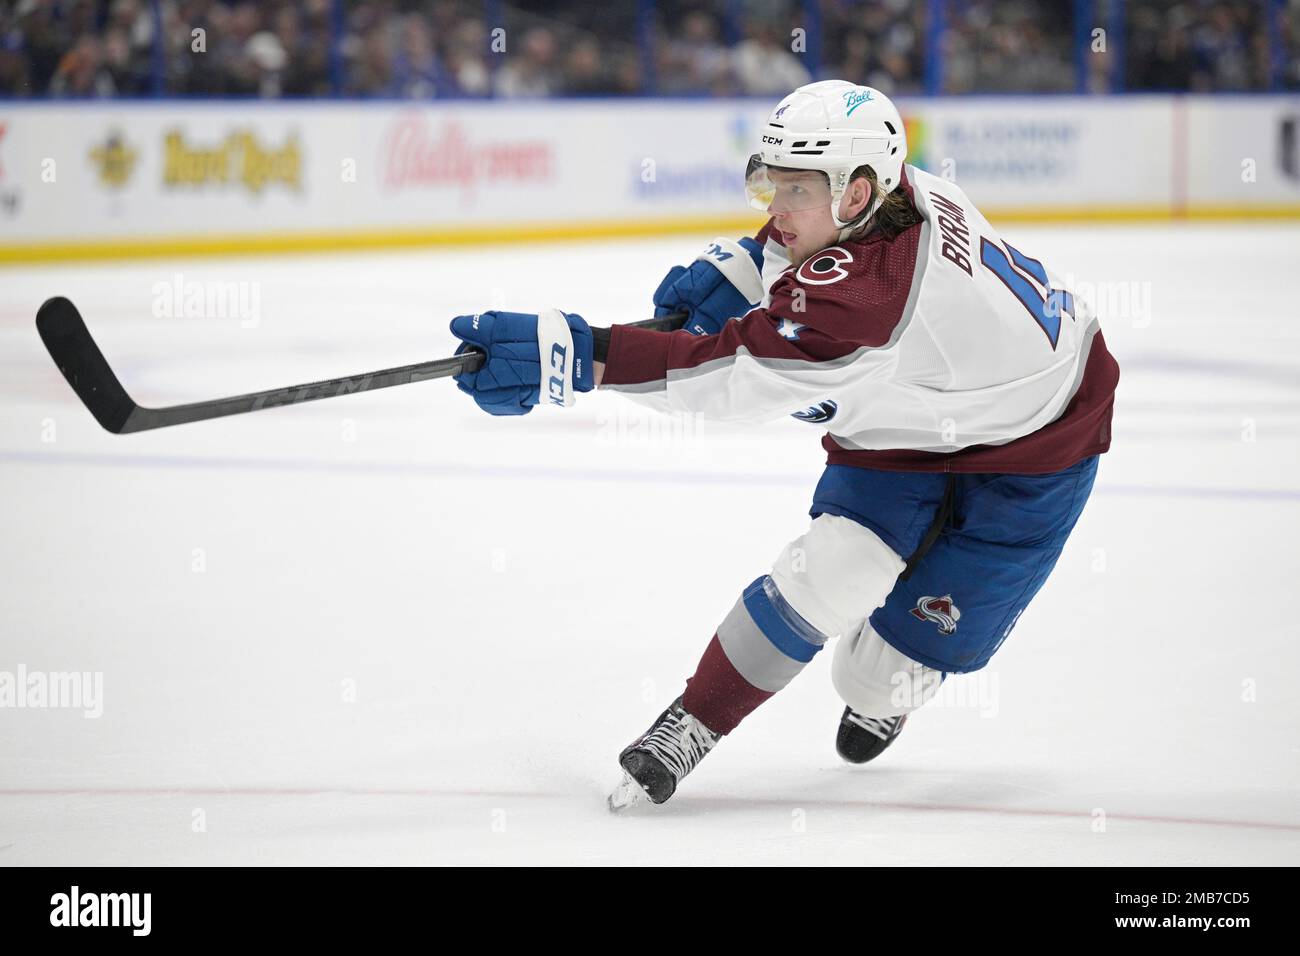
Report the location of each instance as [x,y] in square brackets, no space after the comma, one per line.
[941,610]
[821,412]
[825,267]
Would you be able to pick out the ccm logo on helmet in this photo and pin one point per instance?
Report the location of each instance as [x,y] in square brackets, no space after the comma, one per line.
[773,140]
[825,267]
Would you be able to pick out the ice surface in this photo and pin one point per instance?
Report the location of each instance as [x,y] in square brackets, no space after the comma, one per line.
[388,628]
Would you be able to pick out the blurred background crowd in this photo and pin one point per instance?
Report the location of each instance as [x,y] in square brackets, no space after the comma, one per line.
[424,49]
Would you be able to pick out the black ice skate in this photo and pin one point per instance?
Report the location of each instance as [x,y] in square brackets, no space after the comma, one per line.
[657,761]
[862,738]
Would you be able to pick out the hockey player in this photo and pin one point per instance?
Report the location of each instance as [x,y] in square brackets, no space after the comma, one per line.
[964,393]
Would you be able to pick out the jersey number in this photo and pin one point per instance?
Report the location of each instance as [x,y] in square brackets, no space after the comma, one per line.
[1044,309]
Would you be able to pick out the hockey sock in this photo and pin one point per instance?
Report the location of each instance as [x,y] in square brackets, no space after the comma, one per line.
[758,649]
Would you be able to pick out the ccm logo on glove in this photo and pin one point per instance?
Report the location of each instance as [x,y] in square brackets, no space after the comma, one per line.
[725,281]
[529,359]
[558,380]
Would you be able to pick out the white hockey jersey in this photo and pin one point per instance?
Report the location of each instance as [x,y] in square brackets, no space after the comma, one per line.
[940,348]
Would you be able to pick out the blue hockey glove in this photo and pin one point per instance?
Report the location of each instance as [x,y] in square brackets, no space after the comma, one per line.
[531,359]
[723,282]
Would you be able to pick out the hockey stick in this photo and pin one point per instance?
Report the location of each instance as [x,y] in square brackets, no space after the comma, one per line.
[82,363]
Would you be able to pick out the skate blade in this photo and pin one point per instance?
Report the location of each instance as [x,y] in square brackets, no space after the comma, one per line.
[626,795]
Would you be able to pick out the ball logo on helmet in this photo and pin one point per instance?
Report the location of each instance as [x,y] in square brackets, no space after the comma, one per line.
[855,98]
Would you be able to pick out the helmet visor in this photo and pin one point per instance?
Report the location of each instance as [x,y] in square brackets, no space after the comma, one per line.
[777,189]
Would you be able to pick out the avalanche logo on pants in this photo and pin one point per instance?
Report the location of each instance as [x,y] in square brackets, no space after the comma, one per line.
[941,610]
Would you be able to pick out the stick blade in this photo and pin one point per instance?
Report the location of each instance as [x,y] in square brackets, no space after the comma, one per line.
[82,363]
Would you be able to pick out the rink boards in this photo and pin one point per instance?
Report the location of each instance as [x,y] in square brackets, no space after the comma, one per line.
[128,178]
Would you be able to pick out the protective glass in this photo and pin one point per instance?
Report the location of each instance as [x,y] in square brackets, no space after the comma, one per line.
[778,189]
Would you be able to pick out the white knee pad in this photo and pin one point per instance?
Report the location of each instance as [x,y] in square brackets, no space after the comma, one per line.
[836,574]
[878,681]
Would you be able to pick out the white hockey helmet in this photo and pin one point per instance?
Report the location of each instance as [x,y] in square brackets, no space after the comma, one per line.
[834,127]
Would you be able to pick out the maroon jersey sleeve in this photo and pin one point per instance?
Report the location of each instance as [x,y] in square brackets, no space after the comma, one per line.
[842,299]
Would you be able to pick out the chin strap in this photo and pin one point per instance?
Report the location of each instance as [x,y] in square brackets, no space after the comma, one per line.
[847,229]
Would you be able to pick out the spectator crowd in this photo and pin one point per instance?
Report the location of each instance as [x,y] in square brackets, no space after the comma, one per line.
[424,49]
